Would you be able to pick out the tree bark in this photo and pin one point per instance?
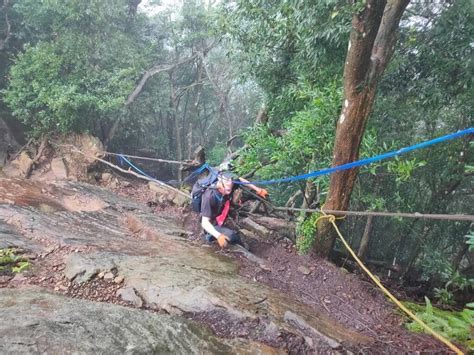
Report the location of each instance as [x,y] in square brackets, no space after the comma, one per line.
[39,153]
[4,41]
[309,194]
[173,104]
[371,45]
[459,256]
[269,227]
[133,7]
[262,116]
[364,242]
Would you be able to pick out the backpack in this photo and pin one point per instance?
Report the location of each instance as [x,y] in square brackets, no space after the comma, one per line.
[198,189]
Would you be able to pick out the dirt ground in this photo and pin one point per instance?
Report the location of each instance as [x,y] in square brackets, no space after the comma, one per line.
[347,298]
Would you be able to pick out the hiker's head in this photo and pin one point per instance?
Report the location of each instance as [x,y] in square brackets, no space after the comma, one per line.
[224,184]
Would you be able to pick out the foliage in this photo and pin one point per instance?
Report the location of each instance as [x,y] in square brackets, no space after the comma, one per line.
[10,261]
[80,72]
[285,43]
[305,232]
[454,325]
[217,154]
[470,240]
[469,169]
[306,143]
[454,282]
[201,99]
[81,61]
[404,167]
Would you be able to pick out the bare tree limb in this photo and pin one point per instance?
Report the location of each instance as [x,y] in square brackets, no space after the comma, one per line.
[231,139]
[159,69]
[39,152]
[153,71]
[148,74]
[222,97]
[21,149]
[291,201]
[184,89]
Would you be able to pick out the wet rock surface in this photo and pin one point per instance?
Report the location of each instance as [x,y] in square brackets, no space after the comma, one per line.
[94,244]
[35,321]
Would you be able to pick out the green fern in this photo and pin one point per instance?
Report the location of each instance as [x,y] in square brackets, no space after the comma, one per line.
[453,325]
[11,262]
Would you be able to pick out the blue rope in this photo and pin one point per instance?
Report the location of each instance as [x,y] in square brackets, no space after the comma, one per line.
[137,169]
[120,160]
[196,172]
[363,161]
[199,171]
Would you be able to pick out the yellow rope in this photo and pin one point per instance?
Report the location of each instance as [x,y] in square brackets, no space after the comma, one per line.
[332,219]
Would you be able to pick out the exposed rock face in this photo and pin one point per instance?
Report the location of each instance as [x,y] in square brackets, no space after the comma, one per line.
[157,267]
[60,161]
[59,169]
[10,238]
[37,322]
[19,166]
[77,164]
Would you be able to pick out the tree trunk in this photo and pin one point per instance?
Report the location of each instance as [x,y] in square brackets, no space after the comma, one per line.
[420,242]
[190,141]
[7,31]
[459,256]
[364,242]
[173,108]
[262,117]
[309,194]
[371,46]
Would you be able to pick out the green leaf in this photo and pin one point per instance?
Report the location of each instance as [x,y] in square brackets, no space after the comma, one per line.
[22,265]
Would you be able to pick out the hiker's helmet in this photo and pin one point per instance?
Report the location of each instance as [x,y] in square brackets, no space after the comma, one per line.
[226,166]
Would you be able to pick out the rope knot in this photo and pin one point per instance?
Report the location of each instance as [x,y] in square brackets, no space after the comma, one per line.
[331,218]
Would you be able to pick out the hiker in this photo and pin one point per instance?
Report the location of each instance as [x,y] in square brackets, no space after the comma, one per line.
[214,207]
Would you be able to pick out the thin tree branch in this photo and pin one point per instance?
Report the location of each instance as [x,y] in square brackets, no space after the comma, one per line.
[183,90]
[153,71]
[159,69]
[231,139]
[39,152]
[216,87]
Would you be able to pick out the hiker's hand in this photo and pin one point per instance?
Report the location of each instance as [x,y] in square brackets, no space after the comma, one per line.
[223,240]
[262,193]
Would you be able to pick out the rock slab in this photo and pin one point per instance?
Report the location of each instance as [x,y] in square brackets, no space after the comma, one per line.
[52,324]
